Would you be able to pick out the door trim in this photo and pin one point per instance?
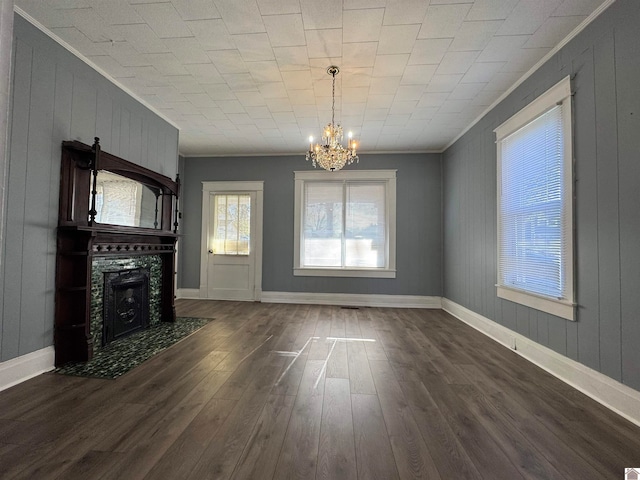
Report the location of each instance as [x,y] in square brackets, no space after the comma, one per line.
[209,188]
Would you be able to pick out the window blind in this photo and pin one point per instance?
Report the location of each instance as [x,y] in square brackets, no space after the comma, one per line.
[533,237]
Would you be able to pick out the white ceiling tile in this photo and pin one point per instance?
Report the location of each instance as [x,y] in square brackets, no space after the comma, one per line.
[576,7]
[552,31]
[424,113]
[240,16]
[384,85]
[297,80]
[466,91]
[230,106]
[278,7]
[527,17]
[204,72]
[443,21]
[116,12]
[405,12]
[272,90]
[418,74]
[196,9]
[276,105]
[403,107]
[380,101]
[258,112]
[443,83]
[323,15]
[240,82]
[359,54]
[362,25]
[429,51]
[456,62]
[219,91]
[390,65]
[360,4]
[398,120]
[482,72]
[475,35]
[406,93]
[502,49]
[228,61]
[491,9]
[388,82]
[212,34]
[163,19]
[324,43]
[292,58]
[285,30]
[263,72]
[254,47]
[188,50]
[81,42]
[200,99]
[302,97]
[397,39]
[523,62]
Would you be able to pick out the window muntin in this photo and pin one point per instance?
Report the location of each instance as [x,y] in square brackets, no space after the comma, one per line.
[535,200]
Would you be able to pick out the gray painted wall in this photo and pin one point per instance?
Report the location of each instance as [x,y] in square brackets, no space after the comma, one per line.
[605,60]
[419,220]
[57,97]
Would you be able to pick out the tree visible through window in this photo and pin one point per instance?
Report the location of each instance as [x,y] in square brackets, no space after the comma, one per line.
[232,219]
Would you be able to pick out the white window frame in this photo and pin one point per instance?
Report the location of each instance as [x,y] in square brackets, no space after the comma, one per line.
[389,177]
[559,93]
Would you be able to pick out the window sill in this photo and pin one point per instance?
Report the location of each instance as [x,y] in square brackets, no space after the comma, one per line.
[344,272]
[559,308]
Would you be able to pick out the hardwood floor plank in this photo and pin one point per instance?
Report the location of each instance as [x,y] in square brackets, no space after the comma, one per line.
[336,455]
[299,455]
[413,459]
[360,377]
[260,456]
[270,391]
[374,457]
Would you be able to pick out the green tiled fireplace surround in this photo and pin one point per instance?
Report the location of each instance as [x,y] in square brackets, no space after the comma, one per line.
[100,265]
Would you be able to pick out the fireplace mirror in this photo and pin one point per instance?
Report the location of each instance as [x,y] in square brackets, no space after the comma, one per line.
[126,202]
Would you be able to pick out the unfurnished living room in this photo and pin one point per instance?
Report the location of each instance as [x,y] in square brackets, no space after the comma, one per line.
[351,239]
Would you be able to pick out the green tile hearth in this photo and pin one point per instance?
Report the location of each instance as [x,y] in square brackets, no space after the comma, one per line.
[120,356]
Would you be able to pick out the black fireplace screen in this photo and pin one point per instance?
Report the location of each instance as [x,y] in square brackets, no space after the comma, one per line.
[126,303]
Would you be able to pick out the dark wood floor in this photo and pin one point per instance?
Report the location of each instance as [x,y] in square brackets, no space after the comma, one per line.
[270,391]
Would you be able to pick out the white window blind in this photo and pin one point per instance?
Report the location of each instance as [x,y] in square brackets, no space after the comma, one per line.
[533,240]
[232,224]
[535,204]
[344,224]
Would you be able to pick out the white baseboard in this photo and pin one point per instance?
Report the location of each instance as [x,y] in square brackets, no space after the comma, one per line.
[191,293]
[352,299]
[23,368]
[614,395]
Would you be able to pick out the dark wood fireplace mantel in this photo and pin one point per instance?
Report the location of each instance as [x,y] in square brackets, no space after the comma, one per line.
[80,238]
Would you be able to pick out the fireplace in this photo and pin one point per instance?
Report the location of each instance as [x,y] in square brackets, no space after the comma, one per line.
[111,279]
[126,303]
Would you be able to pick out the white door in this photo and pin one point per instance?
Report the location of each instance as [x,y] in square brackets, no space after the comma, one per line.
[232,244]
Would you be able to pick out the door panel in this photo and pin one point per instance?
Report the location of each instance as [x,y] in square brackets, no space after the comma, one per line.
[231,246]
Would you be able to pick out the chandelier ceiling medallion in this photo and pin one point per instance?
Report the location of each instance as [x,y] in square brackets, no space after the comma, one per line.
[332,155]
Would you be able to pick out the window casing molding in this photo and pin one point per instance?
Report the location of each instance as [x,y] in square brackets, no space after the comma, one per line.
[558,94]
[389,179]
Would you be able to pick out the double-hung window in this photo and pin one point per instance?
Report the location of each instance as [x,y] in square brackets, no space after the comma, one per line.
[345,223]
[535,205]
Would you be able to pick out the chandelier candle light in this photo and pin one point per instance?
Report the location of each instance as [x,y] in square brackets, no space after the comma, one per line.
[332,155]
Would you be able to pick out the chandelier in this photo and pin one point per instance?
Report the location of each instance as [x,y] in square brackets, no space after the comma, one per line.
[332,155]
